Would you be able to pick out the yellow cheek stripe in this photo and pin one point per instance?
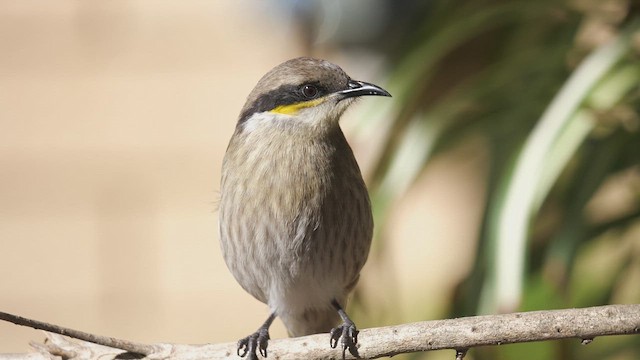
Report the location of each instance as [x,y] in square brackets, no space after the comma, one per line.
[293,109]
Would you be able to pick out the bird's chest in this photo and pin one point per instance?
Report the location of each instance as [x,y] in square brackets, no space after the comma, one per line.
[296,185]
[293,183]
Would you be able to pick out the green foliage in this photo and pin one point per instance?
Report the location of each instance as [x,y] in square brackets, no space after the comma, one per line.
[553,89]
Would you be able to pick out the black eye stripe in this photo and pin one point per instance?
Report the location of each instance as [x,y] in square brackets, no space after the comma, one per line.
[283,95]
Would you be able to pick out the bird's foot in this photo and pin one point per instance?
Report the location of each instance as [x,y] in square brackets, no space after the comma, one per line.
[349,335]
[256,341]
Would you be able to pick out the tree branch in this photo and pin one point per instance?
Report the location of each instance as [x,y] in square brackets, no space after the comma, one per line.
[126,345]
[457,334]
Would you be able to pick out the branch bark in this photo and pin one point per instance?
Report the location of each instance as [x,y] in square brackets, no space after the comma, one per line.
[457,334]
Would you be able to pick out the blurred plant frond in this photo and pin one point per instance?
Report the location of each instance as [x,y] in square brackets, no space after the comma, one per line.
[553,89]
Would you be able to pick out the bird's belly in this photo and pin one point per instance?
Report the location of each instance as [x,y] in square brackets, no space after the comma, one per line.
[295,238]
[321,270]
[303,291]
[303,260]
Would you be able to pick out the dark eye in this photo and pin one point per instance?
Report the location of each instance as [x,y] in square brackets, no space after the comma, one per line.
[309,91]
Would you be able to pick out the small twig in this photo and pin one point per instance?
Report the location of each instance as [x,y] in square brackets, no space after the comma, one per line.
[81,335]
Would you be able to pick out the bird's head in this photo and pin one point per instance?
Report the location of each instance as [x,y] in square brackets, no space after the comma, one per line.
[304,91]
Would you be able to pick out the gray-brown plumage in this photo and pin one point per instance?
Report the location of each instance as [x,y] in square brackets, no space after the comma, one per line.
[295,217]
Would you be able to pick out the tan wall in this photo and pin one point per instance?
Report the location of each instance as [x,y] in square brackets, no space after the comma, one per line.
[114,117]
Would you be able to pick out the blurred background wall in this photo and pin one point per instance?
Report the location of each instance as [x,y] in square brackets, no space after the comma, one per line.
[114,118]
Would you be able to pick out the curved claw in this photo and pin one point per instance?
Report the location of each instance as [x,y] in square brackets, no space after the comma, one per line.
[353,334]
[263,341]
[336,332]
[243,344]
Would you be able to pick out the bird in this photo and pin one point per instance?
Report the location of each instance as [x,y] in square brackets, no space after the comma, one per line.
[295,220]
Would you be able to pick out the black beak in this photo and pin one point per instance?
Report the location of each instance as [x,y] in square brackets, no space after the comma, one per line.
[361,88]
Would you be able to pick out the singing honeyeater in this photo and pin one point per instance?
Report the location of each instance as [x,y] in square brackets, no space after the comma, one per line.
[295,217]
